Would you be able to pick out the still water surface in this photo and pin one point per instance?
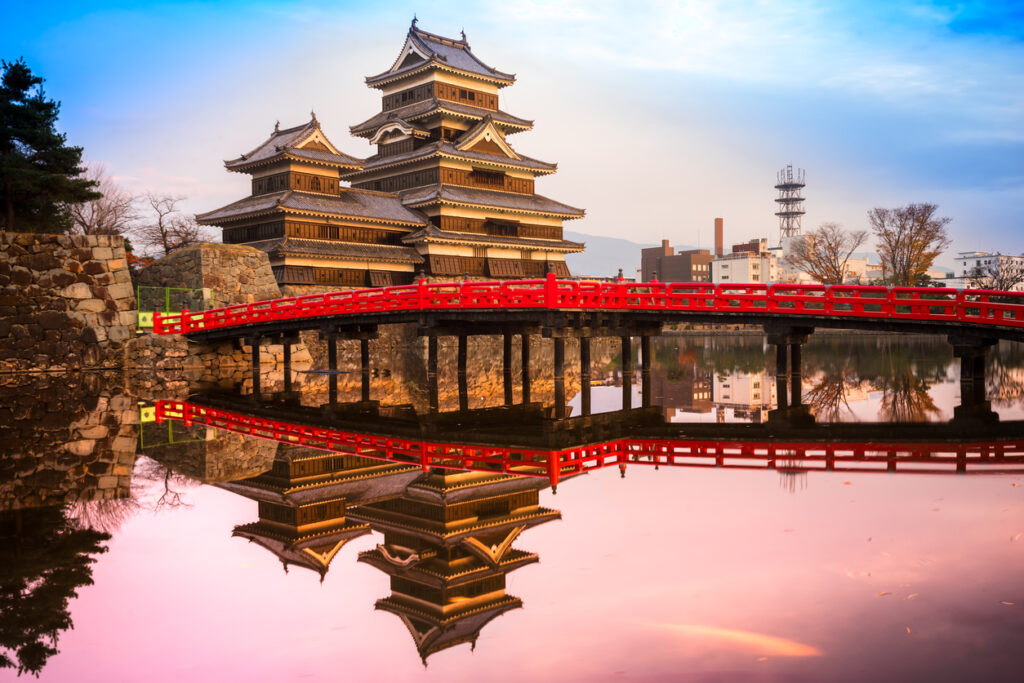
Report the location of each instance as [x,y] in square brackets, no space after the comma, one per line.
[675,573]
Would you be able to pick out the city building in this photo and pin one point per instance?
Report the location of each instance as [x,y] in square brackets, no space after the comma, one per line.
[660,263]
[749,396]
[445,193]
[750,262]
[974,267]
[687,391]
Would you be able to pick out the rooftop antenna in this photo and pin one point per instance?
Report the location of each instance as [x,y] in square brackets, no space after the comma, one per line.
[790,201]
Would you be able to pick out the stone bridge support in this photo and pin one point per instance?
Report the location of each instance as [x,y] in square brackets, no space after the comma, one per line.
[972,352]
[789,375]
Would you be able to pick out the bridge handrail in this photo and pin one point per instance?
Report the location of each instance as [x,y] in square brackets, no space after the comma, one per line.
[976,306]
[998,456]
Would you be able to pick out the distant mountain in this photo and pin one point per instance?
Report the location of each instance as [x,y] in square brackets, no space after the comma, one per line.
[605,255]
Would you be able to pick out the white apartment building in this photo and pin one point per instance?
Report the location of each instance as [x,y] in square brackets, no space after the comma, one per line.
[970,262]
[750,396]
[750,262]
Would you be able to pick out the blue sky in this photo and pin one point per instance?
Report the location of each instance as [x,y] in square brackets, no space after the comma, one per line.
[661,115]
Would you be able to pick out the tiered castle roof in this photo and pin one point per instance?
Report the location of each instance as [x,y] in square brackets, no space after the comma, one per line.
[445,193]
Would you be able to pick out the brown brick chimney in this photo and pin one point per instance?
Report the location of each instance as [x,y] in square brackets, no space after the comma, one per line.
[719,236]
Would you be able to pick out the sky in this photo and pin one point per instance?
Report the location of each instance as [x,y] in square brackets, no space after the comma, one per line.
[661,115]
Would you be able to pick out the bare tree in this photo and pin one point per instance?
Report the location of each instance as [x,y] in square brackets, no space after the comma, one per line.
[103,515]
[909,239]
[113,213]
[167,229]
[825,253]
[160,487]
[1003,275]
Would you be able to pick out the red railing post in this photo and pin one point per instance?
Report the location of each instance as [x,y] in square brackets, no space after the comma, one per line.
[551,291]
[184,318]
[421,293]
[554,467]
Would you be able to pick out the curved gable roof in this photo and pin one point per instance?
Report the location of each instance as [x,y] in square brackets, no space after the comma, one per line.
[289,143]
[439,52]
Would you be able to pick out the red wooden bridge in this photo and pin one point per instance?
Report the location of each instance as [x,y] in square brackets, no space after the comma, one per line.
[972,320]
[999,314]
[988,455]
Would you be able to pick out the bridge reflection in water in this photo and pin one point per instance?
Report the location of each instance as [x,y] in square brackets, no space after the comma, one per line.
[451,493]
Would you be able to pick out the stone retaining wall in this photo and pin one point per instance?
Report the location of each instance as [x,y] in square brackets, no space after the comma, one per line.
[65,440]
[66,301]
[220,456]
[235,274]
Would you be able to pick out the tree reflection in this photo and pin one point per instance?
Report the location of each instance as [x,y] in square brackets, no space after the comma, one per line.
[156,479]
[103,515]
[828,399]
[47,558]
[906,399]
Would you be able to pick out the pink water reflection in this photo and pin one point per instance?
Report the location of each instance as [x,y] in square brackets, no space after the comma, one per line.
[674,574]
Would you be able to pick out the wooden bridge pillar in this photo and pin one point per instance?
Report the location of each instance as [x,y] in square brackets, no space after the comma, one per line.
[254,344]
[559,376]
[432,372]
[645,370]
[506,366]
[525,356]
[286,341]
[463,386]
[796,379]
[781,376]
[585,375]
[286,348]
[364,367]
[332,366]
[627,372]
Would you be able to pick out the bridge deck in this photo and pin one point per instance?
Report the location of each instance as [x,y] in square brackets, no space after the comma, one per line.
[553,302]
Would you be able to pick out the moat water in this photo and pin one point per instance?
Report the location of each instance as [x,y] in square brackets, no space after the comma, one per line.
[135,549]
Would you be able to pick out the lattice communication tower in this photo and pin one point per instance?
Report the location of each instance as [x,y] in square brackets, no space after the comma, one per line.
[790,201]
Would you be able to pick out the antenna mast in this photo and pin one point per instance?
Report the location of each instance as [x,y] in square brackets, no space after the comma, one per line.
[790,201]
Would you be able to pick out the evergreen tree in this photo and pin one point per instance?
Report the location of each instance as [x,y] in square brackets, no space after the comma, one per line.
[46,560]
[38,171]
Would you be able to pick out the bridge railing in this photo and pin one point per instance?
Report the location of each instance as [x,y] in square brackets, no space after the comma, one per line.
[995,456]
[999,308]
[907,303]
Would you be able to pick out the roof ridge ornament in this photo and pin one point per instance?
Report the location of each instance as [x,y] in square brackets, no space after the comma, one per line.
[312,115]
[277,126]
[412,27]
